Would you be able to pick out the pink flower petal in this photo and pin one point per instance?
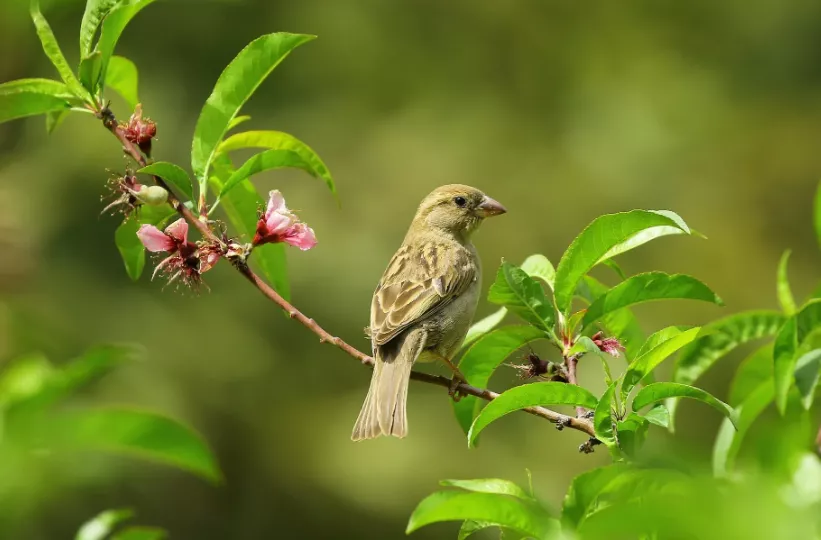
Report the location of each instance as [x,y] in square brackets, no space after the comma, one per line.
[155,240]
[301,236]
[276,203]
[277,223]
[178,230]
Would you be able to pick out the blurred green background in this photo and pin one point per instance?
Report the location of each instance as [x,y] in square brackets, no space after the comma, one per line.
[559,110]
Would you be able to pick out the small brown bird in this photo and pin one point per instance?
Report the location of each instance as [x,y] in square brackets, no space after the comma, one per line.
[424,303]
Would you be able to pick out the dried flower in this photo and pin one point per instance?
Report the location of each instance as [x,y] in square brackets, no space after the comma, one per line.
[610,345]
[535,367]
[186,260]
[140,130]
[279,224]
[128,194]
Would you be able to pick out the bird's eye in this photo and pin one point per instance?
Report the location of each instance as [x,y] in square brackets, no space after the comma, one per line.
[460,201]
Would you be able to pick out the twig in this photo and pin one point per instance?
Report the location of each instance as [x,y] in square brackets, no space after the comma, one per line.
[571,362]
[581,424]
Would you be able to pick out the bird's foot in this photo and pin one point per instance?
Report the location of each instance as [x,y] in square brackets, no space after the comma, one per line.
[453,389]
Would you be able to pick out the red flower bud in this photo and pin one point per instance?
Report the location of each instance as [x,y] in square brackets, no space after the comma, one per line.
[140,130]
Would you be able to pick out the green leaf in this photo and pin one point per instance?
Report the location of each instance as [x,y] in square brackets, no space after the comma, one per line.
[242,206]
[538,266]
[530,395]
[603,416]
[658,415]
[470,526]
[237,121]
[24,377]
[30,97]
[614,266]
[785,297]
[483,326]
[729,438]
[52,50]
[504,511]
[621,323]
[54,119]
[141,533]
[123,78]
[90,71]
[585,488]
[99,527]
[489,485]
[277,140]
[264,161]
[95,12]
[522,295]
[236,84]
[788,343]
[605,237]
[142,434]
[753,371]
[128,243]
[647,287]
[649,360]
[172,174]
[113,26]
[807,374]
[482,359]
[632,432]
[585,345]
[656,392]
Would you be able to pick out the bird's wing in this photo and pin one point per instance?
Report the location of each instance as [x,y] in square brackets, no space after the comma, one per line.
[419,280]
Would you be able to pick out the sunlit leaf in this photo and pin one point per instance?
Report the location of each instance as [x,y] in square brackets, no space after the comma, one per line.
[237,121]
[142,434]
[471,526]
[113,26]
[95,12]
[522,295]
[787,345]
[650,360]
[264,161]
[99,527]
[606,237]
[52,50]
[123,78]
[656,392]
[277,140]
[30,97]
[529,395]
[90,71]
[24,377]
[785,297]
[502,510]
[482,359]
[173,174]
[538,266]
[233,88]
[648,287]
[483,326]
[489,485]
[658,415]
[730,436]
[753,371]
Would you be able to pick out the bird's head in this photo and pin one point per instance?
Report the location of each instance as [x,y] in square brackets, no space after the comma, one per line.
[456,209]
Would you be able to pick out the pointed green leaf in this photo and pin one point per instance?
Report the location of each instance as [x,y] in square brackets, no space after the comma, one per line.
[242,206]
[264,161]
[585,488]
[277,140]
[605,237]
[113,26]
[539,266]
[648,361]
[522,295]
[235,86]
[90,71]
[658,415]
[785,297]
[530,395]
[173,174]
[482,359]
[123,78]
[656,392]
[140,433]
[632,432]
[489,485]
[483,326]
[729,438]
[95,12]
[54,119]
[30,97]
[787,346]
[603,416]
[237,121]
[753,371]
[103,524]
[648,287]
[52,50]
[502,510]
[807,374]
[470,526]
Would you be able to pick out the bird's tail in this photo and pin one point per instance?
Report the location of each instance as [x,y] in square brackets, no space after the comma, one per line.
[384,411]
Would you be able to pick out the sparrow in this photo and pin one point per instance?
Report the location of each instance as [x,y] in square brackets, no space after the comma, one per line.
[424,303]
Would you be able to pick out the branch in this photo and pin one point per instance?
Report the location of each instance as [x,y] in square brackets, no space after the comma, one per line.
[571,362]
[109,121]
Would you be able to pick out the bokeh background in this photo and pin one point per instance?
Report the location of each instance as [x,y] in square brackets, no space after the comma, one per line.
[562,111]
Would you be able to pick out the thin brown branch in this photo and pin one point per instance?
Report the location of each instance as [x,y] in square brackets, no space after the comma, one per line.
[561,420]
[571,362]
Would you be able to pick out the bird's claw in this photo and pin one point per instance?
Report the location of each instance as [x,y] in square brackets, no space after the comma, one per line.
[453,389]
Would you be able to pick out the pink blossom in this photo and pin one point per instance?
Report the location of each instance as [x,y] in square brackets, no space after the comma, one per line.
[172,240]
[186,261]
[140,130]
[610,345]
[279,224]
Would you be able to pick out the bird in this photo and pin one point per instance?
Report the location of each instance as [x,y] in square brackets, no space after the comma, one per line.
[424,303]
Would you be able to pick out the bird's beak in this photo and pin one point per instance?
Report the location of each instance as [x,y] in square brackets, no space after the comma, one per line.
[490,207]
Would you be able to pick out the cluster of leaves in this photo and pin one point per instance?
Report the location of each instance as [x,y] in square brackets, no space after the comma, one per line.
[778,497]
[39,417]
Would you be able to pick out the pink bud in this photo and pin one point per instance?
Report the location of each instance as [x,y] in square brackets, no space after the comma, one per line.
[279,224]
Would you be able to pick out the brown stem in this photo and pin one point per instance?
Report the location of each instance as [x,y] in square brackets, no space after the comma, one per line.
[580,424]
[571,362]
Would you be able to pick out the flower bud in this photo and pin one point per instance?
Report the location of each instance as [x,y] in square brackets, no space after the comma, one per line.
[152,195]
